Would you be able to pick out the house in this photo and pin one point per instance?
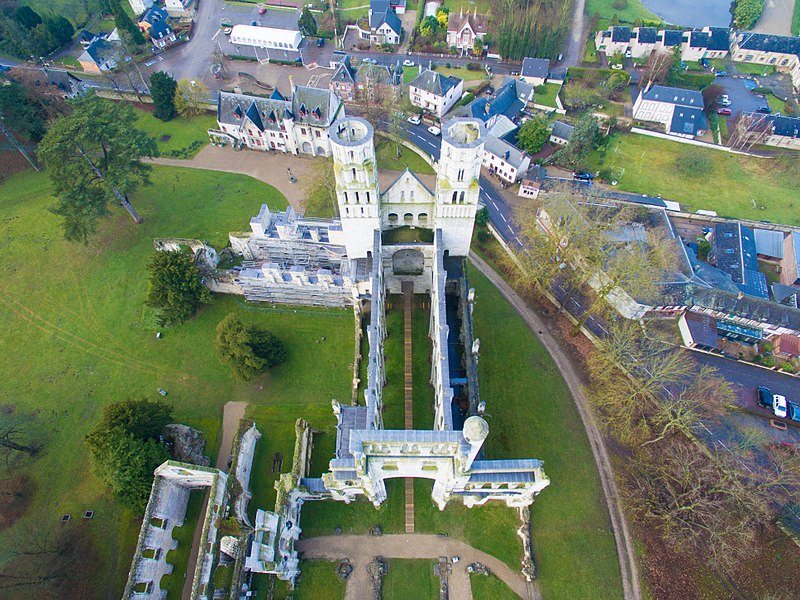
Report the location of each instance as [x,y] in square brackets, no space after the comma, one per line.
[343,82]
[271,38]
[337,58]
[85,38]
[70,85]
[139,6]
[385,26]
[679,111]
[508,162]
[698,330]
[463,30]
[779,51]
[773,130]
[734,252]
[790,265]
[531,182]
[153,15]
[180,9]
[100,56]
[509,100]
[709,42]
[434,92]
[369,78]
[162,35]
[786,344]
[297,125]
[561,133]
[535,71]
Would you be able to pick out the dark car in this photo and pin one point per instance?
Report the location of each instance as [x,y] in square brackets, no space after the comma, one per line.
[794,411]
[764,109]
[724,111]
[320,42]
[489,91]
[583,176]
[721,73]
[764,397]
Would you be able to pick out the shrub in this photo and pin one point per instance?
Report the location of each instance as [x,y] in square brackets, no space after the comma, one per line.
[694,163]
[788,367]
[768,361]
[620,4]
[471,66]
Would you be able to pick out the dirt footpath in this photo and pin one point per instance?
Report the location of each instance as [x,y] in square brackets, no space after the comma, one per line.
[361,549]
[232,413]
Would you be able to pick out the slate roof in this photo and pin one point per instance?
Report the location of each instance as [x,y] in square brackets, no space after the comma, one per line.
[673,37]
[785,294]
[99,51]
[314,106]
[562,130]
[434,82]
[673,95]
[786,126]
[231,109]
[769,242]
[160,30]
[153,15]
[343,74]
[698,39]
[720,38]
[86,36]
[620,34]
[535,67]
[513,156]
[688,120]
[383,13]
[501,126]
[456,22]
[735,254]
[535,173]
[647,35]
[764,42]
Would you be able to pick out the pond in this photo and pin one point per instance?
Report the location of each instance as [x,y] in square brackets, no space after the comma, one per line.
[691,13]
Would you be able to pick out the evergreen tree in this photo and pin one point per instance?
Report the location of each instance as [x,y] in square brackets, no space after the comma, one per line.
[94,157]
[585,138]
[27,17]
[248,350]
[125,24]
[533,134]
[176,287]
[306,23]
[60,28]
[20,113]
[162,89]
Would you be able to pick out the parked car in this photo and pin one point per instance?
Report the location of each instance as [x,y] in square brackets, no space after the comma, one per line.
[764,109]
[779,406]
[721,74]
[724,111]
[704,62]
[583,176]
[162,391]
[414,120]
[724,100]
[434,130]
[628,54]
[320,42]
[227,31]
[617,67]
[408,63]
[489,91]
[764,396]
[369,61]
[794,411]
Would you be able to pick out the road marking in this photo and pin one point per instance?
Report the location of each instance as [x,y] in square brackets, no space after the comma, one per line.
[213,37]
[495,205]
[502,216]
[516,238]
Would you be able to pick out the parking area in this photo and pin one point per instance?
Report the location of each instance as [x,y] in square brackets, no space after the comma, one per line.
[739,91]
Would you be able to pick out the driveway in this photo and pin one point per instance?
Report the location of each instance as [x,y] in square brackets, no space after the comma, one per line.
[776,18]
[742,99]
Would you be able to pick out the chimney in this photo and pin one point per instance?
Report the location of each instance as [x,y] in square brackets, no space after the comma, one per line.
[475,15]
[461,14]
[291,84]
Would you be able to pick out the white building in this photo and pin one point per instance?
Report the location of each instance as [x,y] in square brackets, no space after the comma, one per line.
[463,30]
[180,8]
[434,92]
[506,161]
[298,125]
[679,111]
[535,71]
[270,38]
[139,6]
[708,42]
[779,51]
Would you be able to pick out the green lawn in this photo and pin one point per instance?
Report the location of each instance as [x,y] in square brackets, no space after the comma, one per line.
[490,587]
[318,579]
[76,337]
[179,557]
[548,98]
[737,180]
[409,73]
[483,6]
[386,153]
[633,9]
[753,68]
[796,19]
[531,414]
[183,132]
[776,104]
[406,579]
[463,73]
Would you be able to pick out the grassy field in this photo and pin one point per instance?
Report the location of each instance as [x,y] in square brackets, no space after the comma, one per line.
[77,337]
[796,19]
[490,587]
[407,579]
[531,414]
[409,73]
[548,98]
[183,132]
[386,153]
[179,557]
[729,189]
[318,579]
[753,68]
[633,9]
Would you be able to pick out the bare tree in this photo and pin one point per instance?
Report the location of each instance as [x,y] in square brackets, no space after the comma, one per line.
[750,129]
[657,69]
[320,188]
[19,435]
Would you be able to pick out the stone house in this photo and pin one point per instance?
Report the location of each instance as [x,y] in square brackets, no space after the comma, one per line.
[434,92]
[463,30]
[162,35]
[385,26]
[531,182]
[153,15]
[708,42]
[779,51]
[343,82]
[679,111]
[561,133]
[535,71]
[506,161]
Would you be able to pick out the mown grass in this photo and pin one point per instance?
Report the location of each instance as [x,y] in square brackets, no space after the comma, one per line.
[633,10]
[731,187]
[182,131]
[77,337]
[484,586]
[179,557]
[386,154]
[531,414]
[407,579]
[318,579]
[548,97]
[463,73]
[796,19]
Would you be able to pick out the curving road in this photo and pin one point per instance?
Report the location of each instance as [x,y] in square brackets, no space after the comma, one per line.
[619,524]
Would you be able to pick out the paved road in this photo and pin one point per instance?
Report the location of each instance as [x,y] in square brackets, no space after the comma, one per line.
[619,524]
[750,376]
[776,18]
[573,45]
[361,549]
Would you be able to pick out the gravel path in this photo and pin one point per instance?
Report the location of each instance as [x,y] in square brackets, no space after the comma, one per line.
[622,537]
[361,549]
